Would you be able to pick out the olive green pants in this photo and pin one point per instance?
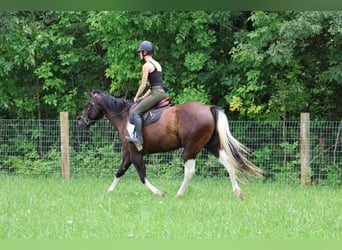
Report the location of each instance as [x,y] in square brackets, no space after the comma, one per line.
[156,96]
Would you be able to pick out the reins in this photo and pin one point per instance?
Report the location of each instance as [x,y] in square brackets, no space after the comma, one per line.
[120,113]
[115,115]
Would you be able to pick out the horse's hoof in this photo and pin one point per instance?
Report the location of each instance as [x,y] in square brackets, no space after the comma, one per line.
[240,194]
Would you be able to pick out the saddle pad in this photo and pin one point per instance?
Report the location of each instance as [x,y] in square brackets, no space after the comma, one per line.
[153,115]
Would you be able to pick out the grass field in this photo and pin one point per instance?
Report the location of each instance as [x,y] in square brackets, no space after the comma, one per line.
[80,209]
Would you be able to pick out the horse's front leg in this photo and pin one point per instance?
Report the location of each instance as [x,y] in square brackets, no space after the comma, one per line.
[140,166]
[153,188]
[126,162]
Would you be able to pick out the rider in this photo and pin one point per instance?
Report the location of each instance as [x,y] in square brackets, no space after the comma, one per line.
[152,71]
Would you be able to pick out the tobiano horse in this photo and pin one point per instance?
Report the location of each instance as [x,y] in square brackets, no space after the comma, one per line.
[191,125]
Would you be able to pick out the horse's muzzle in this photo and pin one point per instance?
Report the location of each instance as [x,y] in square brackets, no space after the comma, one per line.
[84,122]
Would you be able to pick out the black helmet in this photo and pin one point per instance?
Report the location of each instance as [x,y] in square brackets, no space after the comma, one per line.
[146,46]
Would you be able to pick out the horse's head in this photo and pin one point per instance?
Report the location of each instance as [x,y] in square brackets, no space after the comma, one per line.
[92,110]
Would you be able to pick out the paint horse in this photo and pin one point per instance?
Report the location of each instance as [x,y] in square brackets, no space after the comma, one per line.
[191,125]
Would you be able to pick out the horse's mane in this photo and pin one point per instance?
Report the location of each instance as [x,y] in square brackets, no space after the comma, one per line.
[112,103]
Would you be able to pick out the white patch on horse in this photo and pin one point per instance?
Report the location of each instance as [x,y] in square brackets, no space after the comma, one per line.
[223,158]
[189,170]
[113,185]
[130,127]
[153,188]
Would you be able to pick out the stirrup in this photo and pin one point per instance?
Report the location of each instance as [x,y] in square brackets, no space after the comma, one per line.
[135,141]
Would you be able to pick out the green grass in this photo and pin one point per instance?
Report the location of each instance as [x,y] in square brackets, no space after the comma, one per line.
[81,209]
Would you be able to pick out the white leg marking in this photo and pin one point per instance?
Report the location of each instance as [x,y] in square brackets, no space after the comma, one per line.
[153,188]
[189,170]
[130,127]
[114,183]
[223,158]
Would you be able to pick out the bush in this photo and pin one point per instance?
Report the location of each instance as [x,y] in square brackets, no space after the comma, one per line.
[333,175]
[32,164]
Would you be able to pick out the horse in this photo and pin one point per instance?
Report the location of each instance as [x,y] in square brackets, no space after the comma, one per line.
[191,126]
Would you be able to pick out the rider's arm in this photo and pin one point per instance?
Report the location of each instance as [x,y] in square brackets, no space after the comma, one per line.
[145,71]
[148,92]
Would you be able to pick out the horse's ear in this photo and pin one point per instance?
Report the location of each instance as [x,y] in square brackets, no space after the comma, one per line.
[93,93]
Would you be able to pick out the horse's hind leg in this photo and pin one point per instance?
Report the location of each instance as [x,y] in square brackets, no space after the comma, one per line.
[189,170]
[223,158]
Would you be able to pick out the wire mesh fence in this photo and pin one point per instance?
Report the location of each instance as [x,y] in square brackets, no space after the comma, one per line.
[32,148]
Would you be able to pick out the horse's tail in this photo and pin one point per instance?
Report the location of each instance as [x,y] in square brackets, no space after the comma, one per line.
[234,149]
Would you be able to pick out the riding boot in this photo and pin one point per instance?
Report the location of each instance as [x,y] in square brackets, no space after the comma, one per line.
[137,138]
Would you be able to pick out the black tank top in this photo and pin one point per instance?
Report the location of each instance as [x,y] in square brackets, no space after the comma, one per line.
[155,77]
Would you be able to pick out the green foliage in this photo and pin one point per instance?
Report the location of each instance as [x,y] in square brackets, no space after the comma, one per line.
[286,51]
[32,164]
[284,172]
[192,94]
[98,161]
[334,175]
[88,162]
[45,55]
[262,156]
[251,63]
[159,166]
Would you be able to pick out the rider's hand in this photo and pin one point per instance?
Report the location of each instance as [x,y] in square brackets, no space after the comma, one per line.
[138,99]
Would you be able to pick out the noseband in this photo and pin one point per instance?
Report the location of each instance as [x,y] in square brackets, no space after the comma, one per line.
[84,118]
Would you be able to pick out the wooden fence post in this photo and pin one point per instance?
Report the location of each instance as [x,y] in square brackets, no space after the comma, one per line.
[305,148]
[64,124]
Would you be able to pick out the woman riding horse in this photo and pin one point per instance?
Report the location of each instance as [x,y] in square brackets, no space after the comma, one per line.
[152,71]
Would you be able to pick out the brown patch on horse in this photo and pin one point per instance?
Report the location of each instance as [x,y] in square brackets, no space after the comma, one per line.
[163,133]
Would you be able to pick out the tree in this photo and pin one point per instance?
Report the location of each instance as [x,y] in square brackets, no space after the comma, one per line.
[192,47]
[257,65]
[284,67]
[45,59]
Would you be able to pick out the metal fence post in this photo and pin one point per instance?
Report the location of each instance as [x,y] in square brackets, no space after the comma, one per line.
[305,148]
[64,124]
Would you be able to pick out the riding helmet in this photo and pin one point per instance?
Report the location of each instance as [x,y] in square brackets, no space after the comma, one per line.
[146,46]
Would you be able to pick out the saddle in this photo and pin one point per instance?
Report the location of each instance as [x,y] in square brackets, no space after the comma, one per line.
[152,115]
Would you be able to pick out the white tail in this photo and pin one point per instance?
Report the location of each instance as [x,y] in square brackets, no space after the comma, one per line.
[233,148]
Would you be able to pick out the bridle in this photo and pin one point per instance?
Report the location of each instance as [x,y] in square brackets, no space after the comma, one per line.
[84,118]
